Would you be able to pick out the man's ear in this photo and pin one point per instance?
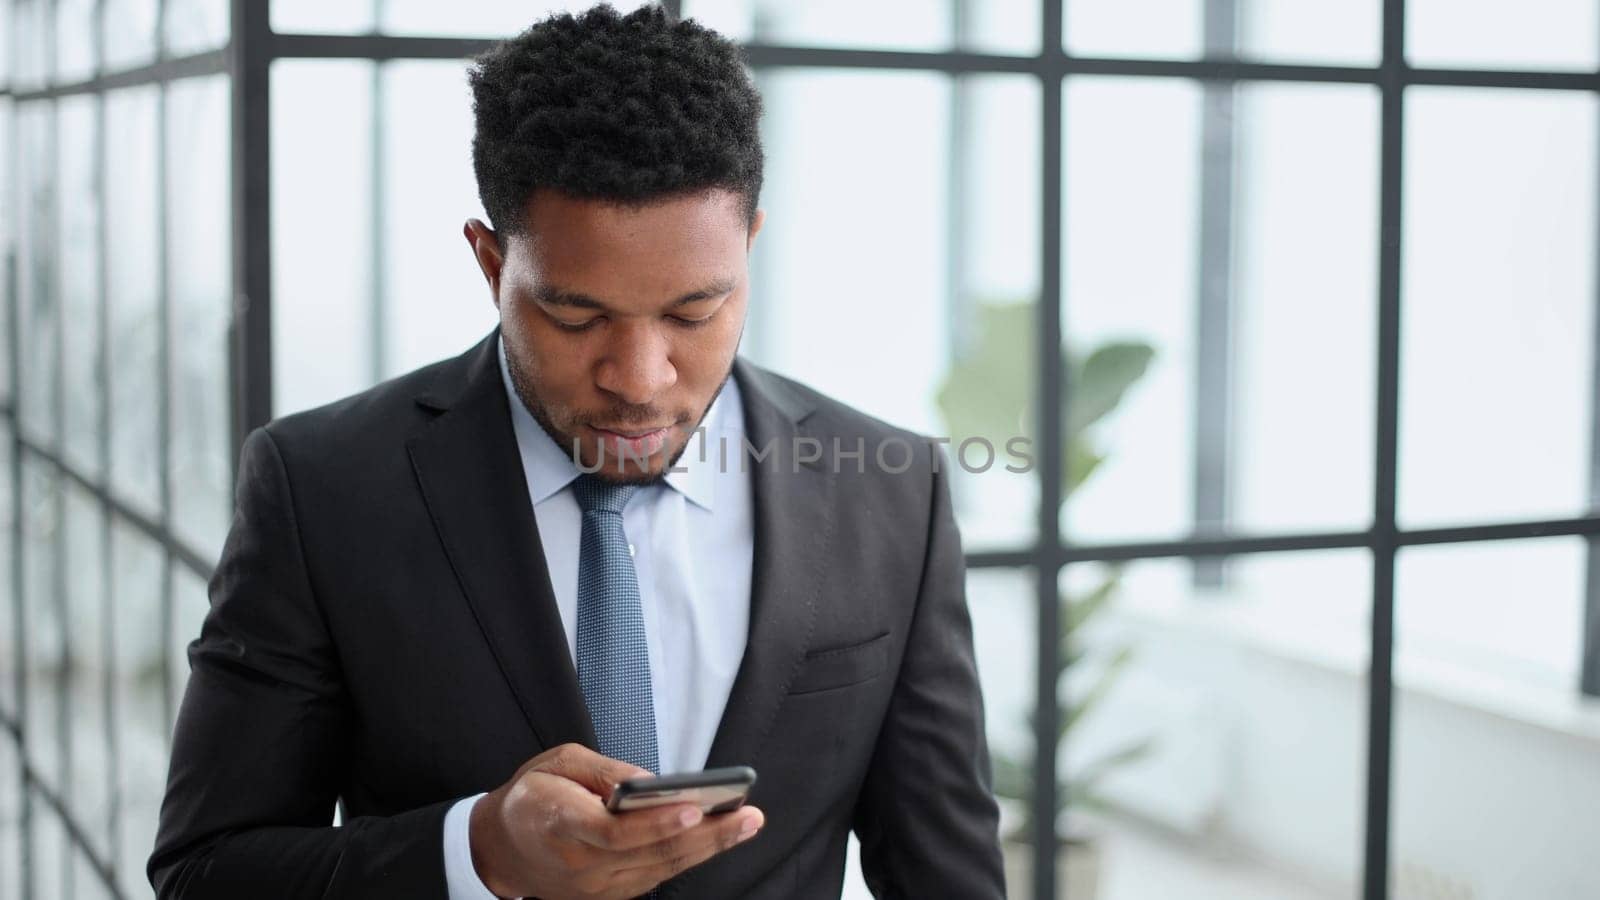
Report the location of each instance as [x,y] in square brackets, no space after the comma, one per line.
[486,250]
[756,222]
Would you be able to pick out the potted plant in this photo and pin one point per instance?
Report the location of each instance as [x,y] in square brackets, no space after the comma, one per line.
[987,392]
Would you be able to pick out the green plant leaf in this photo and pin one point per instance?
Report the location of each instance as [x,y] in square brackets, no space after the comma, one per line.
[1079,610]
[1098,383]
[1013,778]
[1081,787]
[987,390]
[1079,460]
[1104,680]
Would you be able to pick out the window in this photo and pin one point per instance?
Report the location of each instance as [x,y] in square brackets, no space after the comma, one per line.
[115,426]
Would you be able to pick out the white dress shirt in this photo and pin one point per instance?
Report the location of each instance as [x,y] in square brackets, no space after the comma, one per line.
[692,537]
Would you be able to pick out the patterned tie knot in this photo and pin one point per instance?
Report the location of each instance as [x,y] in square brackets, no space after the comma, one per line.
[595,494]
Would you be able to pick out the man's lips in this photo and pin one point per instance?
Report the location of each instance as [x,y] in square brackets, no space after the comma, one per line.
[630,432]
[633,443]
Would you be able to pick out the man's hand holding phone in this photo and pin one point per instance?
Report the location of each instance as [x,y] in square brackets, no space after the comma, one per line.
[547,833]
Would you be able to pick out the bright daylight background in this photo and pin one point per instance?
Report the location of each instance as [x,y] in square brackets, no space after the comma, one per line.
[900,270]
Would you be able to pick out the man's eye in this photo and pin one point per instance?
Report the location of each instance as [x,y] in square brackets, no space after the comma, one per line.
[576,326]
[690,323]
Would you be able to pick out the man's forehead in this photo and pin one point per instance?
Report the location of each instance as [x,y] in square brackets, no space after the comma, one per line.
[550,215]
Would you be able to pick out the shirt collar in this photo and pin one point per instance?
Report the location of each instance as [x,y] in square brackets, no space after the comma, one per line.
[549,468]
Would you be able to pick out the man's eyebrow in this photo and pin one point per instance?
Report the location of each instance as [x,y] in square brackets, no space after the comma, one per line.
[549,295]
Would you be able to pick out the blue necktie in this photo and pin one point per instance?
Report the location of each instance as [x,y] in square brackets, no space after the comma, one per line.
[613,656]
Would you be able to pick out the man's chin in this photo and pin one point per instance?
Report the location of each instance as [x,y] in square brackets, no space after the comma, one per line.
[631,472]
[629,469]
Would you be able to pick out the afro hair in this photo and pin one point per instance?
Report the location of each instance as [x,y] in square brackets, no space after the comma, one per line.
[603,106]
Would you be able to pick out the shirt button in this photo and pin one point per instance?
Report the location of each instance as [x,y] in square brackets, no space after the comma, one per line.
[630,549]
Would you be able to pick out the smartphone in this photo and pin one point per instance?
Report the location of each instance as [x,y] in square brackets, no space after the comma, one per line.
[714,790]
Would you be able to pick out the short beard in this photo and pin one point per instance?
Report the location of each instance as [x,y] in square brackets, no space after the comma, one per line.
[570,445]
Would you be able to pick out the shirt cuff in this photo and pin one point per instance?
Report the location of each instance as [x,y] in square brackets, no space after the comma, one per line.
[460,877]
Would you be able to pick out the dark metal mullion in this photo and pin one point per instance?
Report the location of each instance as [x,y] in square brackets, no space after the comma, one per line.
[957,317]
[250,58]
[1385,540]
[1196,546]
[164,376]
[1049,64]
[1213,400]
[209,62]
[1052,400]
[1503,531]
[108,682]
[1589,658]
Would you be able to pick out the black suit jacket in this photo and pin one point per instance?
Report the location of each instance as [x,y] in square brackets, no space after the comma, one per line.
[383,635]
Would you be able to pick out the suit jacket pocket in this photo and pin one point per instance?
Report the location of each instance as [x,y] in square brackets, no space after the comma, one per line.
[839,667]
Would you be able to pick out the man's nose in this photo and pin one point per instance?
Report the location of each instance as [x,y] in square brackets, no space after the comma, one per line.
[637,365]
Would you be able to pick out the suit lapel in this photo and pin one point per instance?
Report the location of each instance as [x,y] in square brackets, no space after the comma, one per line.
[793,529]
[471,476]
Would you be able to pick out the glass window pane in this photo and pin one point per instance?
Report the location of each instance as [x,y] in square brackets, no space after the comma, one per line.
[44,635]
[996,26]
[30,41]
[51,851]
[1495,773]
[1173,29]
[987,394]
[140,699]
[322,180]
[320,17]
[6,51]
[486,18]
[883,141]
[1454,617]
[1132,197]
[435,301]
[883,146]
[1306,189]
[199,263]
[128,33]
[86,880]
[132,287]
[1004,607]
[1233,720]
[10,817]
[74,54]
[37,311]
[77,274]
[1346,32]
[87,632]
[8,233]
[193,26]
[1498,305]
[1539,34]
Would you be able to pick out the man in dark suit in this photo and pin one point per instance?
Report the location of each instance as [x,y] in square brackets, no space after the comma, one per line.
[466,603]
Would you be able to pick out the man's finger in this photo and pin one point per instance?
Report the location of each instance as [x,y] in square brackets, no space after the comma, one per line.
[627,831]
[597,773]
[658,862]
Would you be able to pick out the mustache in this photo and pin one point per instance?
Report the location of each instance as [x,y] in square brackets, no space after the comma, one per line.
[631,416]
